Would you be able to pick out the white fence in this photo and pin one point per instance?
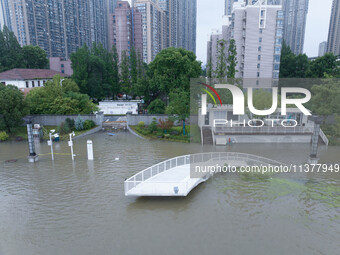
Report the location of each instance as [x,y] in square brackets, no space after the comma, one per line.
[152,171]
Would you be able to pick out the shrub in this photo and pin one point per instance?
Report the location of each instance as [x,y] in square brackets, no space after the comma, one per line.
[141,124]
[3,136]
[157,106]
[165,125]
[88,124]
[153,125]
[70,123]
[79,123]
[64,128]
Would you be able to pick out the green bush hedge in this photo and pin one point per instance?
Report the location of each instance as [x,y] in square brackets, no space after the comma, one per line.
[89,124]
[3,136]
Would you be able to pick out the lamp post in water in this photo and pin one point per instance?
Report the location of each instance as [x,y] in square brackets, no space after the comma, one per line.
[50,142]
[313,158]
[33,157]
[70,143]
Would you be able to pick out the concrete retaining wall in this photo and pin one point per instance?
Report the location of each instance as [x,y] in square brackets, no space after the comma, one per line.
[56,120]
[133,120]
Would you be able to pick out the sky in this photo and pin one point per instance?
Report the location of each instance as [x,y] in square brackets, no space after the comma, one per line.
[210,12]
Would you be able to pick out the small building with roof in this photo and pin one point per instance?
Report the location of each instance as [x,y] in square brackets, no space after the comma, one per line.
[26,79]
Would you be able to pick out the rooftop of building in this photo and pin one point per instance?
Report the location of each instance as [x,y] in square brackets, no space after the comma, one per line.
[29,74]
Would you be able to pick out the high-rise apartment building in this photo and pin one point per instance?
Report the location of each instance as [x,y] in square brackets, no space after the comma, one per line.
[295,15]
[257,30]
[125,28]
[333,43]
[322,49]
[187,23]
[154,28]
[5,15]
[58,27]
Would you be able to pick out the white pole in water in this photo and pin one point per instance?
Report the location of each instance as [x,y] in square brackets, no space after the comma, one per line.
[89,150]
[70,143]
[50,143]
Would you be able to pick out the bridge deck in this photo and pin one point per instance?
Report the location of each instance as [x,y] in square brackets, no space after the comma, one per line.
[174,182]
[172,177]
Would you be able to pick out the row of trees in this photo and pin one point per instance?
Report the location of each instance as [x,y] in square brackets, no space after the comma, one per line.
[226,61]
[101,74]
[12,55]
[299,66]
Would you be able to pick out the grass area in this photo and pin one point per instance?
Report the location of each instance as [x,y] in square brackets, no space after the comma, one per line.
[175,134]
[22,132]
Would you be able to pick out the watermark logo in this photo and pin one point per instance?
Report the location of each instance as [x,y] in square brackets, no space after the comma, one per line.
[239,100]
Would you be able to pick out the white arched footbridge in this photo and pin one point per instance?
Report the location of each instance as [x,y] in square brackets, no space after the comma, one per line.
[172,177]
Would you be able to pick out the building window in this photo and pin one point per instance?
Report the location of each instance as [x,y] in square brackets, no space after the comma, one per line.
[260,39]
[38,83]
[27,84]
[276,67]
[260,48]
[259,57]
[275,75]
[258,65]
[62,71]
[277,58]
[4,83]
[258,74]
[277,50]
[62,65]
[260,31]
[279,33]
[44,83]
[32,84]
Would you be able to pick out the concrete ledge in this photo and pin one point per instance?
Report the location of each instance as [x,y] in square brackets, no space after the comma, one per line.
[134,133]
[90,132]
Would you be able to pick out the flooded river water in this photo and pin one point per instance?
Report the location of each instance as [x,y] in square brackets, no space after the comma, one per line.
[62,207]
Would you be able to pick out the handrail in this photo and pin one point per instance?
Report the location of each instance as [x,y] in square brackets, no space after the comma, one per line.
[192,158]
[324,137]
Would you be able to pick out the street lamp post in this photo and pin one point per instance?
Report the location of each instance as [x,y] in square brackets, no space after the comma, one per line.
[50,142]
[70,143]
[315,139]
[33,157]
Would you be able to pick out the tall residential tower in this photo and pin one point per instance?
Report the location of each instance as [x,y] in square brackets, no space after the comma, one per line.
[333,43]
[59,27]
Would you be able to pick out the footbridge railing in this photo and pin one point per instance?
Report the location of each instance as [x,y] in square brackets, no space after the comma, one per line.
[169,164]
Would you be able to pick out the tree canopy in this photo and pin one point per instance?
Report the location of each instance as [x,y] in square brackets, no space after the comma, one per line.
[12,107]
[59,97]
[12,55]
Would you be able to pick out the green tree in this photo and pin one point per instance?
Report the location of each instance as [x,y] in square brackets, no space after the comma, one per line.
[115,71]
[157,106]
[179,105]
[172,69]
[209,69]
[325,65]
[93,71]
[125,81]
[221,64]
[326,98]
[34,57]
[10,51]
[133,68]
[232,60]
[12,106]
[55,98]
